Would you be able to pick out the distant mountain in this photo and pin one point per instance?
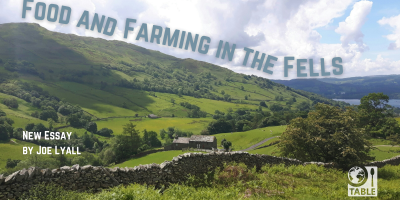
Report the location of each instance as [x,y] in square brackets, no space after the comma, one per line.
[348,88]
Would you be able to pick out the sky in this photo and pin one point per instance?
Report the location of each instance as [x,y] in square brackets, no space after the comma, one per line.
[365,34]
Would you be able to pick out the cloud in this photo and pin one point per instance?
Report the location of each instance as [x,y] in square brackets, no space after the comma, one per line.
[393,22]
[350,29]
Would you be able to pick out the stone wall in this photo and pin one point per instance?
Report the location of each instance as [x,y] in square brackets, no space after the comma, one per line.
[92,178]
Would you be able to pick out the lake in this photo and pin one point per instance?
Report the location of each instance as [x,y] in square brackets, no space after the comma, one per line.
[392,102]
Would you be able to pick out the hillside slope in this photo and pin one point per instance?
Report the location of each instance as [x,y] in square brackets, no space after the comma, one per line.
[116,79]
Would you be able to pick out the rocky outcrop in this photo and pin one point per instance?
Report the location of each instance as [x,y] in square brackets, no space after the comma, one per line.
[94,178]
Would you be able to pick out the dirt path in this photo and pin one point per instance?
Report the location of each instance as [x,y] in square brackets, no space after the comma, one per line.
[258,144]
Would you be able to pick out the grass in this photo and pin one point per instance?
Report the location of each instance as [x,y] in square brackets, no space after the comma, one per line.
[271,150]
[398,119]
[385,152]
[243,140]
[194,125]
[157,158]
[376,141]
[14,150]
[97,102]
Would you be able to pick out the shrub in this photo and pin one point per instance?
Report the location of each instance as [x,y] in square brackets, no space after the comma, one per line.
[10,102]
[12,163]
[91,127]
[52,191]
[106,132]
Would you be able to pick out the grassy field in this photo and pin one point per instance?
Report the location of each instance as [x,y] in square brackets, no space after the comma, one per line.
[385,152]
[243,140]
[271,150]
[185,124]
[157,158]
[13,150]
[398,119]
[376,141]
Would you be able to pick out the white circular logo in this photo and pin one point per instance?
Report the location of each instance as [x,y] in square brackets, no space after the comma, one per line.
[356,175]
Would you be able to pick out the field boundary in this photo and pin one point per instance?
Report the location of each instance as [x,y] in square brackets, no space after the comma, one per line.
[97,178]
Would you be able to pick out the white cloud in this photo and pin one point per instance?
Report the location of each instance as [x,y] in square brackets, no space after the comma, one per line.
[393,22]
[350,28]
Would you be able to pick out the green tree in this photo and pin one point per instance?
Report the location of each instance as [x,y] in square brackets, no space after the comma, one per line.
[91,127]
[227,145]
[328,134]
[79,160]
[377,115]
[105,132]
[263,104]
[130,140]
[11,102]
[162,133]
[51,122]
[3,133]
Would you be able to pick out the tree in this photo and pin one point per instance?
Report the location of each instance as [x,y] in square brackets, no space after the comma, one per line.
[303,106]
[29,127]
[105,132]
[162,133]
[153,140]
[328,134]
[377,116]
[222,142]
[3,133]
[2,113]
[79,160]
[145,137]
[91,127]
[39,128]
[263,104]
[227,145]
[219,126]
[133,138]
[276,107]
[51,122]
[87,140]
[10,102]
[246,127]
[12,163]
[48,114]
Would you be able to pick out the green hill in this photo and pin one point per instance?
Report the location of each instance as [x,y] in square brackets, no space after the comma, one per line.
[111,79]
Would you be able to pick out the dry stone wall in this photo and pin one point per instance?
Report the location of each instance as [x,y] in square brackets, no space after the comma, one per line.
[93,178]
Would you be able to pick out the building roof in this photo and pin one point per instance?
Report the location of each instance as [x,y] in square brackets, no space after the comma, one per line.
[202,138]
[153,116]
[183,140]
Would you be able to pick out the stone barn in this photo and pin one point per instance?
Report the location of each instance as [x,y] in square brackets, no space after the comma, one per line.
[153,116]
[203,142]
[180,143]
[195,141]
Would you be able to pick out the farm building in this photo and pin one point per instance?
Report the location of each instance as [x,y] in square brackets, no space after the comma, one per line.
[153,116]
[195,141]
